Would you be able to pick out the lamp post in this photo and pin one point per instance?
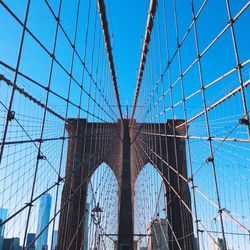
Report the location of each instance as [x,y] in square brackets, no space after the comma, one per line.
[96,217]
[96,214]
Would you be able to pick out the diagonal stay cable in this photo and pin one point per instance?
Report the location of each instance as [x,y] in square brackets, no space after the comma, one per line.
[31,140]
[55,60]
[58,182]
[56,94]
[30,97]
[189,181]
[63,205]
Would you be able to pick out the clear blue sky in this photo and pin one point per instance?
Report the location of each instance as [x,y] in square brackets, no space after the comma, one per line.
[127,20]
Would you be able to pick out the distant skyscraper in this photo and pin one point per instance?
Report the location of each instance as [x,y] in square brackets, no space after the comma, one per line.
[159,238]
[218,245]
[30,238]
[43,219]
[55,237]
[3,216]
[11,244]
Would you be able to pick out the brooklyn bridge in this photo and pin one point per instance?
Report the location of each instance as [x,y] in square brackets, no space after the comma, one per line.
[124,125]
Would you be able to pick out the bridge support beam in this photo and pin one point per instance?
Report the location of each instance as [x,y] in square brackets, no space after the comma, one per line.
[177,192]
[168,155]
[125,233]
[73,209]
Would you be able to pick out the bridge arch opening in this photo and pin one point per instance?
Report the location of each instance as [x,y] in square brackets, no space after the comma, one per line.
[150,209]
[101,216]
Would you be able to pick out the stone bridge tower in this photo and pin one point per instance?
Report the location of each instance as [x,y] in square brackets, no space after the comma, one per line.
[86,152]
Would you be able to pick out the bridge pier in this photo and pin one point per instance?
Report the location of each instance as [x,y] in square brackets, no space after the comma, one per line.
[173,151]
[168,156]
[85,153]
[73,211]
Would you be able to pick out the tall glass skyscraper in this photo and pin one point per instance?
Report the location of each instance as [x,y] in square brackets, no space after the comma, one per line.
[43,219]
[3,216]
[30,239]
[55,237]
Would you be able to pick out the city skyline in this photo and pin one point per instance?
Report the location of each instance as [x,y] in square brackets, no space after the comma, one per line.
[43,218]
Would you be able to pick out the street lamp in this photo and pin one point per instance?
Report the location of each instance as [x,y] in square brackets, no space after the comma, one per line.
[96,214]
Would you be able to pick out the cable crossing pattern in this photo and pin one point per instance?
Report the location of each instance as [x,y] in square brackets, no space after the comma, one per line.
[78,174]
